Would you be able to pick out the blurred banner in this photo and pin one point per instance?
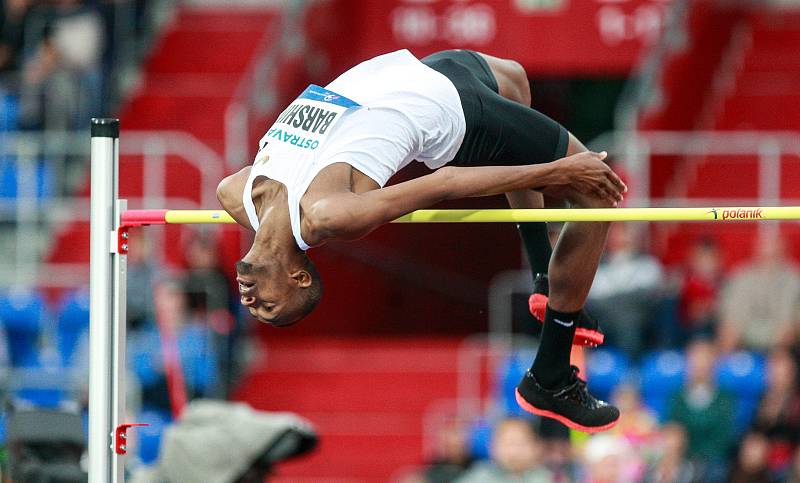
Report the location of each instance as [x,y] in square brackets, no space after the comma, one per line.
[551,37]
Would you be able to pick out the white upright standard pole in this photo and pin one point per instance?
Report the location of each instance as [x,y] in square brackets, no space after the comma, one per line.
[103,260]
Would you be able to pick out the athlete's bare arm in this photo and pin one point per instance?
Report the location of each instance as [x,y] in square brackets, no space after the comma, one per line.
[349,216]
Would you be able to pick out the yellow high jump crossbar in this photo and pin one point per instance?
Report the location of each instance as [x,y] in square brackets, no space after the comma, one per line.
[731,213]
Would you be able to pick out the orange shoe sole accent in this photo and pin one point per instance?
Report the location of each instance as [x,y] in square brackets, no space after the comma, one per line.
[561,419]
[537,304]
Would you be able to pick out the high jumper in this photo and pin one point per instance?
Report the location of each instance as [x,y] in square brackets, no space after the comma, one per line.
[320,173]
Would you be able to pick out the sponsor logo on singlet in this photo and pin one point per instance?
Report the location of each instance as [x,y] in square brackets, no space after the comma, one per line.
[307,121]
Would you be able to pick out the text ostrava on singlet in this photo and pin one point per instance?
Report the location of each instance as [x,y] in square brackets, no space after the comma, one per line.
[309,119]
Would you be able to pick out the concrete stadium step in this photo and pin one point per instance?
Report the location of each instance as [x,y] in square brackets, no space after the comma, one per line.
[366,396]
[366,457]
[725,177]
[790,173]
[395,391]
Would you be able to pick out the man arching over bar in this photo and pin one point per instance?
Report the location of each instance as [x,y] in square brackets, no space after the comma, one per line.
[320,173]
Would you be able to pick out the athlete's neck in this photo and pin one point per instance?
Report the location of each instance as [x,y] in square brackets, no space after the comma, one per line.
[274,236]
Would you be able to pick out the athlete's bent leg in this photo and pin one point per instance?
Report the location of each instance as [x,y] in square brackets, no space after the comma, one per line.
[513,84]
[577,253]
[551,387]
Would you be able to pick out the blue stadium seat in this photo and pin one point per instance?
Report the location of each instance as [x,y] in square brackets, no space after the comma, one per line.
[21,313]
[144,356]
[606,369]
[41,397]
[480,437]
[73,325]
[743,374]
[511,371]
[662,374]
[149,437]
[9,111]
[9,177]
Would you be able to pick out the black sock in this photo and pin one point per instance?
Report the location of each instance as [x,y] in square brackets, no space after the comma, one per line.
[537,245]
[551,367]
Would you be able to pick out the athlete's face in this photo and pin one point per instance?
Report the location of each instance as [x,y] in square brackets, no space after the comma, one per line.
[269,293]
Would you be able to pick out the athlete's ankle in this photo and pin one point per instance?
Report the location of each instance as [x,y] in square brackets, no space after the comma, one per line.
[566,306]
[551,367]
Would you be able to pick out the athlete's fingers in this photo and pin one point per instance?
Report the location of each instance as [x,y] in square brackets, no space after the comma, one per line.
[615,190]
[598,190]
[609,195]
[611,192]
[617,181]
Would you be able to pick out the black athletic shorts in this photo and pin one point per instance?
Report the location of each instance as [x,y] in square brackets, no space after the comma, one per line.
[500,132]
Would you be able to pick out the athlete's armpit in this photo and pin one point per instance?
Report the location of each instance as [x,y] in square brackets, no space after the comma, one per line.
[229,194]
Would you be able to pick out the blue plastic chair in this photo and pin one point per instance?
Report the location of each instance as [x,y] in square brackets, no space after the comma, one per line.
[149,437]
[21,313]
[605,369]
[480,437]
[743,374]
[510,373]
[9,111]
[73,325]
[662,374]
[9,188]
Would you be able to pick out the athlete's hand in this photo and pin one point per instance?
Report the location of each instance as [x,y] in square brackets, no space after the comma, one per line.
[586,173]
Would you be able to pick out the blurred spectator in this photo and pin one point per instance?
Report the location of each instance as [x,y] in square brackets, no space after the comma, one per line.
[153,352]
[62,77]
[209,298]
[705,411]
[699,291]
[516,456]
[778,415]
[793,472]
[672,466]
[142,275]
[751,461]
[611,459]
[623,290]
[13,17]
[759,303]
[224,442]
[559,455]
[204,282]
[452,457]
[637,423]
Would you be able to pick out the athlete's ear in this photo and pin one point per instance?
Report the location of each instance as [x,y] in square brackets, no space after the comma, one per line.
[302,278]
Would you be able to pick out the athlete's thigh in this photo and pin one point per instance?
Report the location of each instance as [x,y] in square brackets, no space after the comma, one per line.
[509,133]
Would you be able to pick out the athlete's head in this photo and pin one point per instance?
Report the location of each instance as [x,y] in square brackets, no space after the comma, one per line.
[277,292]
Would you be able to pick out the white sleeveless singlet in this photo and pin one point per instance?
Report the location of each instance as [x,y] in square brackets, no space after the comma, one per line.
[377,117]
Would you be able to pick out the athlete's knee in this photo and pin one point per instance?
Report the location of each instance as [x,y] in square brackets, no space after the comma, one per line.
[574,145]
[518,78]
[581,200]
[601,203]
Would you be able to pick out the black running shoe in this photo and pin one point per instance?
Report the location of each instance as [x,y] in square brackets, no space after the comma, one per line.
[571,405]
[587,333]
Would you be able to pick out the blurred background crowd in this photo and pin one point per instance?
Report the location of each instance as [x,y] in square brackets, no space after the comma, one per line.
[702,323]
